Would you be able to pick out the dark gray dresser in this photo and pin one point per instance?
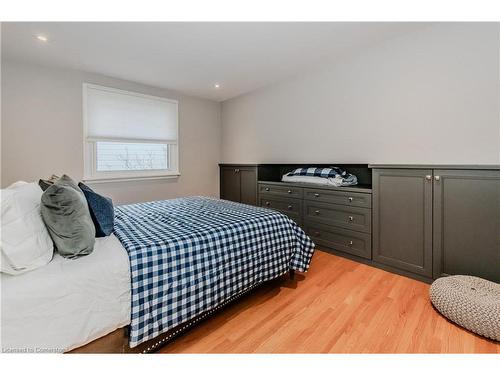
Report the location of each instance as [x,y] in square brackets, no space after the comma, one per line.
[335,218]
[338,219]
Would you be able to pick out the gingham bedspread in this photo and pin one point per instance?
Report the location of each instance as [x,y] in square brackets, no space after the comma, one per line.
[189,255]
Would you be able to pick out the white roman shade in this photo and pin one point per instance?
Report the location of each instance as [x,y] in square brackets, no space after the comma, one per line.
[117,114]
[128,135]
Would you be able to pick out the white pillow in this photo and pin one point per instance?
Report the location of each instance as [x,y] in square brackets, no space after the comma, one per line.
[25,242]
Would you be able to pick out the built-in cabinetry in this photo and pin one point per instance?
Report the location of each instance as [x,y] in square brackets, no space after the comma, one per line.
[402,219]
[335,218]
[339,219]
[282,197]
[466,222]
[435,222]
[238,183]
[421,221]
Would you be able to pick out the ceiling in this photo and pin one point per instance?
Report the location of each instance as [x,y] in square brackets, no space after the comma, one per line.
[193,57]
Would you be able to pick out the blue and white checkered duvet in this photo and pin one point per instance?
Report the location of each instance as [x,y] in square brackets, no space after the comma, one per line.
[189,255]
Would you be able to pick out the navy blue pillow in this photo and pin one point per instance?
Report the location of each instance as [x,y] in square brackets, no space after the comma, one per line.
[101,211]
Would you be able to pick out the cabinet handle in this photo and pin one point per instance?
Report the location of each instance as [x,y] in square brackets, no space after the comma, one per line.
[316,195]
[268,203]
[351,243]
[289,192]
[267,189]
[350,199]
[428,177]
[316,212]
[290,207]
[437,178]
[236,171]
[316,233]
[351,218]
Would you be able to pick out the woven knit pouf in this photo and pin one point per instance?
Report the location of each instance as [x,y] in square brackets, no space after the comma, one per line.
[469,301]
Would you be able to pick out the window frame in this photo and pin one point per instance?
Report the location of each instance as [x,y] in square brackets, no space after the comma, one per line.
[90,172]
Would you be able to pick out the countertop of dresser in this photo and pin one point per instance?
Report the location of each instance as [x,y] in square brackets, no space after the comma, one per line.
[437,166]
[354,189]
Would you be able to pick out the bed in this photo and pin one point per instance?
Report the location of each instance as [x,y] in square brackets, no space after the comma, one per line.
[67,303]
[170,263]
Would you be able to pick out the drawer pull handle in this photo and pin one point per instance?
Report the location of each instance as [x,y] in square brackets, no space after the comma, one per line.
[290,207]
[268,203]
[289,192]
[267,189]
[237,171]
[350,243]
[316,212]
[350,199]
[316,195]
[316,233]
[351,218]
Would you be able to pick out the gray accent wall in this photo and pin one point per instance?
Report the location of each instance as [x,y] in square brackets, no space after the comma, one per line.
[431,96]
[42,133]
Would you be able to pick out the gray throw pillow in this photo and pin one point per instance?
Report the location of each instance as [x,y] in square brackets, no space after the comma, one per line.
[66,214]
[44,184]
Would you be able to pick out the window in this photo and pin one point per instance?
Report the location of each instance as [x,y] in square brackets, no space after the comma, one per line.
[128,135]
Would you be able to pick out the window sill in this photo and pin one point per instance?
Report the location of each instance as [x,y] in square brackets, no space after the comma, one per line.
[98,180]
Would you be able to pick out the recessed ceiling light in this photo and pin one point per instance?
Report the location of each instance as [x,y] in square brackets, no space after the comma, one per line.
[42,38]
[217,85]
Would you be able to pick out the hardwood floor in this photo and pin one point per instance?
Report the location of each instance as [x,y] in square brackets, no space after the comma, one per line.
[339,306]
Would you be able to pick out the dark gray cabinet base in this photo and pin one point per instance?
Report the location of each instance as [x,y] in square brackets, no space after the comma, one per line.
[434,223]
[402,219]
[238,183]
[467,223]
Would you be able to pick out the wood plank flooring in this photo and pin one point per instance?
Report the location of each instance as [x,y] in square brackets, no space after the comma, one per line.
[339,306]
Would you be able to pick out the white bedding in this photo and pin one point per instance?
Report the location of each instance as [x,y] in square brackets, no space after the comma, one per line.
[67,303]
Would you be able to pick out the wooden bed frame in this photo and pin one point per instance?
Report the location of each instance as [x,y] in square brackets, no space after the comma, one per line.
[117,341]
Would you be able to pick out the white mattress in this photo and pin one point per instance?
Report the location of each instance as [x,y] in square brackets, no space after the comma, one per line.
[67,303]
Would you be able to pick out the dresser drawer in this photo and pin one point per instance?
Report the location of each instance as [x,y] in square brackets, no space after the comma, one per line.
[339,197]
[354,218]
[344,240]
[280,190]
[289,206]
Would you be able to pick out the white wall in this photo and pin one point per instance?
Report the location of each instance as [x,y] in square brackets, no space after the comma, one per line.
[42,133]
[427,97]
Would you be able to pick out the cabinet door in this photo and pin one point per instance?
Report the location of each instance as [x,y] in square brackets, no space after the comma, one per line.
[402,219]
[248,178]
[230,184]
[467,223]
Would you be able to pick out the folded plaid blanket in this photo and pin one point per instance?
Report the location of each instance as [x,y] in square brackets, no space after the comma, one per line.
[331,172]
[335,175]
